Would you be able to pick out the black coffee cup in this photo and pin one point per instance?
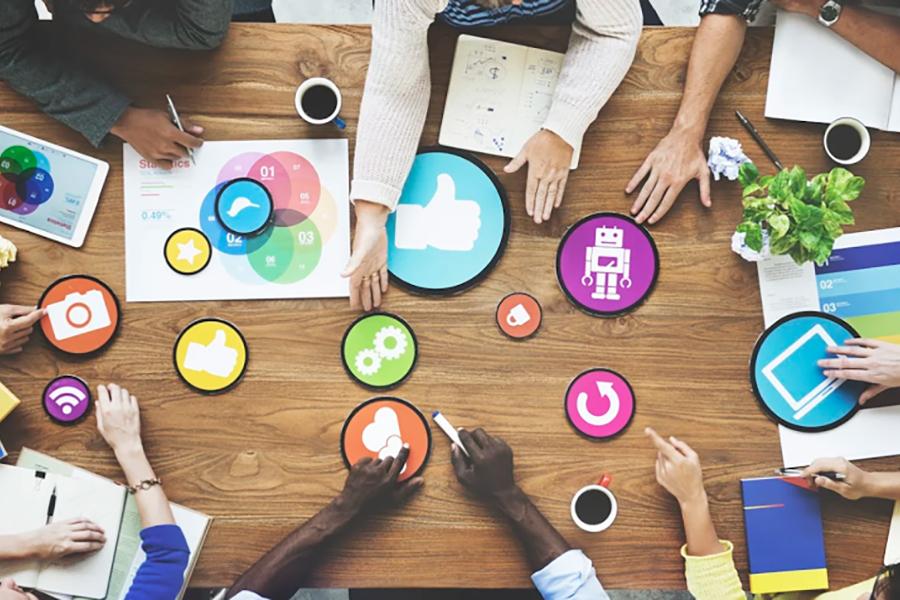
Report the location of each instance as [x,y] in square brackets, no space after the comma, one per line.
[594,507]
[847,141]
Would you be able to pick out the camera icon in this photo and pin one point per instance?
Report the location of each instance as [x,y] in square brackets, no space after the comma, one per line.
[78,314]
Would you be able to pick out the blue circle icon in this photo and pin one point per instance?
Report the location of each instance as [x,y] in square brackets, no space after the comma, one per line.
[787,380]
[244,207]
[451,224]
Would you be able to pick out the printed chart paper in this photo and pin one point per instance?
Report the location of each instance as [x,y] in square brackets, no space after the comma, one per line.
[301,255]
[860,283]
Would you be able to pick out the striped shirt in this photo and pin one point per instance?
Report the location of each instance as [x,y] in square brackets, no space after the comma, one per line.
[743,8]
[468,13]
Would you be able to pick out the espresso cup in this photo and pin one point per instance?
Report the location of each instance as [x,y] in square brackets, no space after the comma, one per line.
[318,101]
[518,315]
[594,507]
[846,141]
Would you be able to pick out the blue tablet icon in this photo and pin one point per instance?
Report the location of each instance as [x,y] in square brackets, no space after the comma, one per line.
[244,207]
[786,377]
[451,224]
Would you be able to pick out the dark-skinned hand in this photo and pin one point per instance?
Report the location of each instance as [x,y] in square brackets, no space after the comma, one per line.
[374,481]
[488,470]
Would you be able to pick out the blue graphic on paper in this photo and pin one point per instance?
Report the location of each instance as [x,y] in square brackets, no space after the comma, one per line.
[450,224]
[244,207]
[788,380]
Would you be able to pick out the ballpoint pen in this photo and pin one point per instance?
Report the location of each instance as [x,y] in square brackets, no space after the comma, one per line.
[173,114]
[762,144]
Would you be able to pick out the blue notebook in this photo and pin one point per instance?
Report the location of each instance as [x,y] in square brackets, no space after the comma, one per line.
[785,541]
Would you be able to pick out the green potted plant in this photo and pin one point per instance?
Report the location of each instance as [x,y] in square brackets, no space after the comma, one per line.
[788,214]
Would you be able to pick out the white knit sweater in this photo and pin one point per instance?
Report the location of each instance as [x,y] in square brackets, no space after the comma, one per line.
[398,85]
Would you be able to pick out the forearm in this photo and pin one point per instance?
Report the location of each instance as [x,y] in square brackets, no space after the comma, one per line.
[875,34]
[601,49]
[542,542]
[717,44]
[395,100]
[699,529]
[152,502]
[15,547]
[883,484]
[280,572]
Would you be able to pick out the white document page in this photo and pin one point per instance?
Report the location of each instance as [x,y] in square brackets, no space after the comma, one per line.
[24,501]
[818,76]
[499,96]
[102,502]
[786,287]
[301,255]
[871,433]
[892,551]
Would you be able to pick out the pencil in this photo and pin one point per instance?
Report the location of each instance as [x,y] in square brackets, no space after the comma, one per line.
[762,144]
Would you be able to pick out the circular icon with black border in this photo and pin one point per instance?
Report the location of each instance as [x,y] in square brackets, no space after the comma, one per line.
[379,350]
[451,224]
[379,427]
[607,264]
[519,315]
[244,207]
[67,399]
[787,381]
[600,403]
[82,315]
[210,355]
[187,251]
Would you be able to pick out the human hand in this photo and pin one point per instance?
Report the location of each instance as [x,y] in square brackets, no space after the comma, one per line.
[374,480]
[676,160]
[678,469]
[488,470]
[56,540]
[855,484]
[549,158]
[367,268]
[155,137]
[10,591]
[119,419]
[871,361]
[16,326]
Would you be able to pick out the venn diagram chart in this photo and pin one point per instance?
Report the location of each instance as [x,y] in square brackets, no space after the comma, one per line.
[249,220]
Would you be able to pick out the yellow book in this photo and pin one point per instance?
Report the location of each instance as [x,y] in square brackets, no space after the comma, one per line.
[8,402]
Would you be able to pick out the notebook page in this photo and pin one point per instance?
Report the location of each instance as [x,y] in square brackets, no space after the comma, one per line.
[102,502]
[817,76]
[894,121]
[24,500]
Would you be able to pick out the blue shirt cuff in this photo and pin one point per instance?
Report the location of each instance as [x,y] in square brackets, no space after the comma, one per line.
[571,576]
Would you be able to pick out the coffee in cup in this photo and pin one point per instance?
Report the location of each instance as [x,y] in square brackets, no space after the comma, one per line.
[594,507]
[847,141]
[318,101]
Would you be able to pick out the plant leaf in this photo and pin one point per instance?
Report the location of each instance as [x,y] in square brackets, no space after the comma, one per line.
[748,174]
[779,224]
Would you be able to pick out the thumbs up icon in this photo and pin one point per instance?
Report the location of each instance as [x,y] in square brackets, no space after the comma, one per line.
[445,223]
[216,358]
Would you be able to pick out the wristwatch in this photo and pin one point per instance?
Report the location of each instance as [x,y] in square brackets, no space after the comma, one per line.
[830,12]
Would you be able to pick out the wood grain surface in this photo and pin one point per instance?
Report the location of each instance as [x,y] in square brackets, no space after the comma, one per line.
[264,457]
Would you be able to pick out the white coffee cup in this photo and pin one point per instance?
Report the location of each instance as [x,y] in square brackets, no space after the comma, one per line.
[518,315]
[602,487]
[864,138]
[313,82]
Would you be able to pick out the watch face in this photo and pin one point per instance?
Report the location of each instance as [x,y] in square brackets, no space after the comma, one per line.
[829,12]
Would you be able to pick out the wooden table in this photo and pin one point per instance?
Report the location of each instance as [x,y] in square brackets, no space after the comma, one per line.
[264,457]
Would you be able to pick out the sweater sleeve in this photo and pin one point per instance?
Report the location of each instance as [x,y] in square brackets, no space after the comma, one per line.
[183,24]
[713,577]
[60,88]
[602,46]
[161,576]
[395,99]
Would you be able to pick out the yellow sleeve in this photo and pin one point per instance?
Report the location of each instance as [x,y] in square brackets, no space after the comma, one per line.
[713,577]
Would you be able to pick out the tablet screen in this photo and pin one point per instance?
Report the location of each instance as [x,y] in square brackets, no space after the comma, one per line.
[41,186]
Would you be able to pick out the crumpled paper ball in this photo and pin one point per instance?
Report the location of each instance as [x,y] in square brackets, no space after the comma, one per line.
[8,252]
[739,246]
[725,157]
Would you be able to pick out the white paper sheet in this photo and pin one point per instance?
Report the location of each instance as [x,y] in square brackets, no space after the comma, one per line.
[871,433]
[499,96]
[158,202]
[818,76]
[892,550]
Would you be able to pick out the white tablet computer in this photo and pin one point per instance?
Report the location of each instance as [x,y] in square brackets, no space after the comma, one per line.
[47,189]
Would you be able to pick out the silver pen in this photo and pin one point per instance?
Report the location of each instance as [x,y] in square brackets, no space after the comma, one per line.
[173,114]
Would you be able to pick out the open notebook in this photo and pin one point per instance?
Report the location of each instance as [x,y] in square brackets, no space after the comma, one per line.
[29,498]
[499,96]
[128,553]
[818,76]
